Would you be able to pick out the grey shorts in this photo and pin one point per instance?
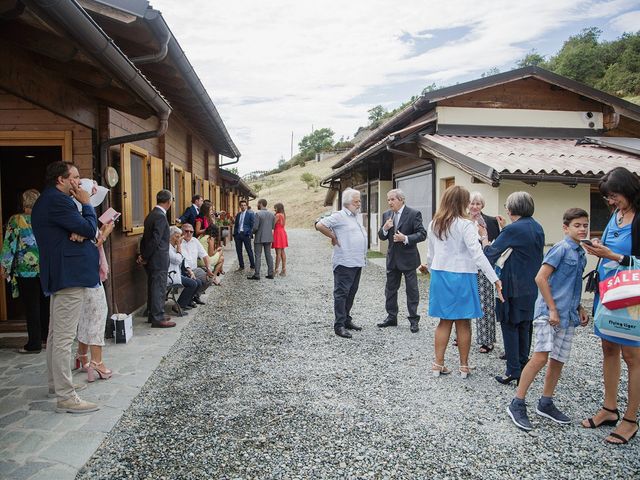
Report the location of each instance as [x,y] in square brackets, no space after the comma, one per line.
[555,340]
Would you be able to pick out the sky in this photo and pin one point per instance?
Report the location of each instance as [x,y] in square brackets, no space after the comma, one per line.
[281,68]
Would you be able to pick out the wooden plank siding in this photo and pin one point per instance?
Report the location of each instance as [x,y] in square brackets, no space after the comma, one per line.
[17,114]
[529,93]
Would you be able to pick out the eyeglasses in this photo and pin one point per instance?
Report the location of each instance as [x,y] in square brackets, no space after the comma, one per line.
[187,231]
[611,197]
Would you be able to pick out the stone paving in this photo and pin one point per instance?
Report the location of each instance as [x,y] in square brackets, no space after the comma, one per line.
[36,442]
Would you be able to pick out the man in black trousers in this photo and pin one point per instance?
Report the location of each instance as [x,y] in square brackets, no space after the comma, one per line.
[154,255]
[403,227]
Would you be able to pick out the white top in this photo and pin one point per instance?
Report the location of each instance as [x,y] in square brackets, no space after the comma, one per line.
[351,236]
[175,259]
[460,250]
[192,251]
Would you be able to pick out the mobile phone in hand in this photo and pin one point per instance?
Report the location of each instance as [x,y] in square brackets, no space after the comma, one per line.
[586,241]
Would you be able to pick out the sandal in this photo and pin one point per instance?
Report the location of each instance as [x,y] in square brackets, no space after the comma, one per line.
[623,441]
[81,362]
[486,348]
[465,371]
[455,342]
[437,370]
[607,423]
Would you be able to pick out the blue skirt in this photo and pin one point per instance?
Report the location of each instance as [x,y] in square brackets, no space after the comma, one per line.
[454,296]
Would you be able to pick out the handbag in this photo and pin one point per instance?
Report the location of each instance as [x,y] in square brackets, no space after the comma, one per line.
[621,323]
[623,288]
[502,259]
[593,279]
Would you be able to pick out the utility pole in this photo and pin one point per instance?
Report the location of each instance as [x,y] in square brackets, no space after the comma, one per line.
[291,145]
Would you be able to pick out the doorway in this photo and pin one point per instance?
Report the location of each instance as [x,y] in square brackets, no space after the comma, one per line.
[21,168]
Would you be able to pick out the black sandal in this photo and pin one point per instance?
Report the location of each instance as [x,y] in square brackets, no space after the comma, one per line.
[486,349]
[604,423]
[623,441]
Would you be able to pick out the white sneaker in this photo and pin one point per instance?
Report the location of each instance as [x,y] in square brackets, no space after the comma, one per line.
[75,404]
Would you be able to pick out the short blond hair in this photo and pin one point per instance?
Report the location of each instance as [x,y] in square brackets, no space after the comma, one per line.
[29,198]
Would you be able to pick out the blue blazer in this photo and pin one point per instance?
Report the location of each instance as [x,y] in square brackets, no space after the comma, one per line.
[63,263]
[189,216]
[249,221]
[526,237]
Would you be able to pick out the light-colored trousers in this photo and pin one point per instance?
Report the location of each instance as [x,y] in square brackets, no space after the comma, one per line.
[65,311]
[257,249]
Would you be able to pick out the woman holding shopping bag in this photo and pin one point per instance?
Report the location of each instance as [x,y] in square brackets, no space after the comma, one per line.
[620,241]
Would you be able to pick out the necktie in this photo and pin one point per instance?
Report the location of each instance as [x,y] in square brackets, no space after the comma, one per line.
[396,218]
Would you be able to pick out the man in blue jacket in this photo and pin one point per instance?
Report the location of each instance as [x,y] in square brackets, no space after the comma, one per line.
[242,231]
[67,270]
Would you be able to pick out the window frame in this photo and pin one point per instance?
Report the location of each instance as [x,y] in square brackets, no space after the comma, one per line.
[126,150]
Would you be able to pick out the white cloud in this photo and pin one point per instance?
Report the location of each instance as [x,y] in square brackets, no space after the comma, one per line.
[283,65]
[627,22]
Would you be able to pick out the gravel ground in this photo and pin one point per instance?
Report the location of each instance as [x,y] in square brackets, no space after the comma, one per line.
[258,386]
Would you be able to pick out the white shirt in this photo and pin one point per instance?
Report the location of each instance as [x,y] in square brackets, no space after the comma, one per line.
[241,222]
[192,251]
[175,259]
[459,251]
[351,236]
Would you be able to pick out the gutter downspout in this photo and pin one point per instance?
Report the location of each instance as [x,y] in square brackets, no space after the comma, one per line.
[162,35]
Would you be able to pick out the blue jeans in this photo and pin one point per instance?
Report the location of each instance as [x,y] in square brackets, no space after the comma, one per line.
[186,296]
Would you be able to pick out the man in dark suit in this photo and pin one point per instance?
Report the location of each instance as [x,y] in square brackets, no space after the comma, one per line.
[154,255]
[242,230]
[67,270]
[190,214]
[403,227]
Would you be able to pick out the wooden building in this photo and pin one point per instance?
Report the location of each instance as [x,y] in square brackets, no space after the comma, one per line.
[527,129]
[111,90]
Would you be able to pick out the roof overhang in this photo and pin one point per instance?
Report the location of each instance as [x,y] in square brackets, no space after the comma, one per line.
[530,160]
[148,40]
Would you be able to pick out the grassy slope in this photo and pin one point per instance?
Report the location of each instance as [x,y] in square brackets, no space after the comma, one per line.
[302,205]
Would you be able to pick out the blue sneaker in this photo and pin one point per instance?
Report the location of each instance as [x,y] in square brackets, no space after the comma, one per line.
[549,410]
[518,413]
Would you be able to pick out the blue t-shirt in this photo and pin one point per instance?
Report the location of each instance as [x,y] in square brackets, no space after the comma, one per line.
[568,260]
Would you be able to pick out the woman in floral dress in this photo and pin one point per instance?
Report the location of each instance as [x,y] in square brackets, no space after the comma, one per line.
[20,264]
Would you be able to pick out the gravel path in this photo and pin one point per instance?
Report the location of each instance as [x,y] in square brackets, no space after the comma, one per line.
[259,387]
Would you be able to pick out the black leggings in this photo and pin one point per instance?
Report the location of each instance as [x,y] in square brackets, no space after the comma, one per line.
[36,307]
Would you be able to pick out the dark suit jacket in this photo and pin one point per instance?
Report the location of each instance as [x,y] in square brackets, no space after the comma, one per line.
[526,237]
[493,229]
[249,220]
[399,255]
[63,263]
[154,246]
[189,216]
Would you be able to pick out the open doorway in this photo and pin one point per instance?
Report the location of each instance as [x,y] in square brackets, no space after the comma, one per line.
[21,168]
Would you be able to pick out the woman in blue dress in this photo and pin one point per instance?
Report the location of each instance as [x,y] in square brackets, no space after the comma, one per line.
[454,258]
[620,241]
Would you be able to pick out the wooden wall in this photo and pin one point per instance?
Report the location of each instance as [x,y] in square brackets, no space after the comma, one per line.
[21,115]
[528,93]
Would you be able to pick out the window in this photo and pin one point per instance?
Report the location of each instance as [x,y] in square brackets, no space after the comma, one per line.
[141,179]
[418,191]
[198,185]
[600,213]
[178,190]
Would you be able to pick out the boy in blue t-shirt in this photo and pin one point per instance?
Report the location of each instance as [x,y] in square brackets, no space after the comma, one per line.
[557,313]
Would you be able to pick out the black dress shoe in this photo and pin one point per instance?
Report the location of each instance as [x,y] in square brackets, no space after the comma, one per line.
[193,304]
[352,326]
[507,380]
[503,356]
[414,327]
[389,322]
[198,301]
[342,332]
[253,277]
[270,277]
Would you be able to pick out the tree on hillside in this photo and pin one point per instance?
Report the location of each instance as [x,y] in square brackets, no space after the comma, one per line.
[531,59]
[316,142]
[311,180]
[491,71]
[376,114]
[580,57]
